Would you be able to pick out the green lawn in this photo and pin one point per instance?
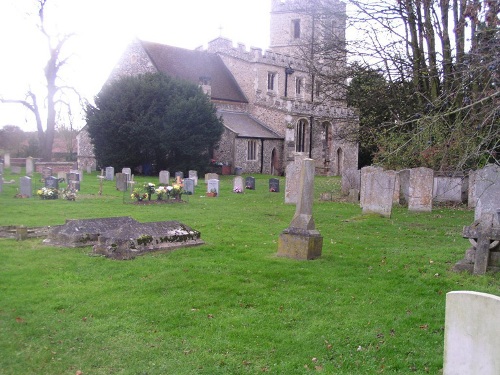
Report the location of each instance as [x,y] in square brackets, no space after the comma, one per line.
[373,303]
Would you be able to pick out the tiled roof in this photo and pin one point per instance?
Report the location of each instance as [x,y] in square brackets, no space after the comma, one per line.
[246,126]
[192,65]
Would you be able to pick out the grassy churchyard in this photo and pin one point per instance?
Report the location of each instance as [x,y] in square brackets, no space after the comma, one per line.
[373,303]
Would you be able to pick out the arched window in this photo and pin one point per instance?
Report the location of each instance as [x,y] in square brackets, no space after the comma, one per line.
[300,136]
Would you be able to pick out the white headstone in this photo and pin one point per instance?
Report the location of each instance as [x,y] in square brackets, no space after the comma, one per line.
[213,186]
[472,334]
[30,166]
[164,177]
[238,184]
[6,160]
[110,173]
[194,176]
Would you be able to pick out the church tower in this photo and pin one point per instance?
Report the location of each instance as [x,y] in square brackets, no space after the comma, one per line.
[297,24]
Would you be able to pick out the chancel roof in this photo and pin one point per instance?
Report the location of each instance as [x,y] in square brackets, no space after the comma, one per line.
[245,126]
[196,66]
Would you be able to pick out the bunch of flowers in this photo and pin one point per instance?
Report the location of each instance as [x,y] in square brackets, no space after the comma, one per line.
[138,194]
[176,190]
[237,189]
[48,193]
[69,193]
[161,192]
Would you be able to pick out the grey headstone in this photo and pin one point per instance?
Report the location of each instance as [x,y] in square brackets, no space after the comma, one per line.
[179,174]
[6,160]
[292,181]
[46,172]
[194,176]
[364,173]
[238,184]
[274,185]
[189,186]
[404,186]
[127,171]
[448,189]
[121,181]
[213,185]
[110,173]
[488,192]
[30,166]
[15,169]
[471,334]
[164,177]
[420,190]
[379,191]
[52,182]
[26,186]
[250,183]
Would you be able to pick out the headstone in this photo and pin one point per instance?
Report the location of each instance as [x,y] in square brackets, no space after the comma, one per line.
[420,189]
[292,181]
[131,183]
[301,240]
[121,181]
[52,182]
[471,334]
[30,166]
[471,197]
[26,186]
[211,176]
[46,172]
[238,184]
[15,169]
[250,183]
[397,188]
[73,176]
[351,179]
[487,193]
[127,171]
[189,186]
[62,175]
[213,186]
[75,185]
[164,177]
[404,186]
[366,171]
[110,173]
[448,189]
[379,191]
[274,185]
[6,160]
[194,176]
[89,169]
[179,174]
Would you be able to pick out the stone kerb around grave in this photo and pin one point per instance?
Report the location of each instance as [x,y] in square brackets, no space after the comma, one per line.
[472,334]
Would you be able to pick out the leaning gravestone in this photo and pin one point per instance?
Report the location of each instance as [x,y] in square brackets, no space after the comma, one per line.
[30,166]
[471,334]
[194,176]
[238,184]
[292,181]
[52,182]
[420,189]
[26,186]
[110,173]
[250,183]
[164,177]
[121,181]
[301,240]
[274,185]
[213,186]
[189,186]
[378,195]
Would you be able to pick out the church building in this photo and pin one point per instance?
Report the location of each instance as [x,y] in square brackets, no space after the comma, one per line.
[272,106]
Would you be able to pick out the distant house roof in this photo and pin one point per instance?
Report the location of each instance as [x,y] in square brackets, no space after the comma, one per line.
[195,66]
[245,126]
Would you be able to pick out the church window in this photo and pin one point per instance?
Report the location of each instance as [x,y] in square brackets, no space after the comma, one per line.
[300,136]
[317,89]
[252,150]
[296,29]
[298,86]
[270,80]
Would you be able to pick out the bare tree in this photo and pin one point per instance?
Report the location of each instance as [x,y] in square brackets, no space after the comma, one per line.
[54,98]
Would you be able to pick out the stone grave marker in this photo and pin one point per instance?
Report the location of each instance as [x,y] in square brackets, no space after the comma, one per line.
[61,175]
[189,186]
[110,173]
[121,181]
[89,169]
[30,166]
[179,174]
[250,183]
[404,186]
[301,240]
[351,179]
[378,191]
[364,173]
[447,189]
[15,169]
[487,192]
[164,177]
[6,160]
[471,334]
[26,186]
[127,171]
[194,175]
[420,189]
[238,184]
[52,183]
[292,180]
[213,186]
[46,172]
[211,176]
[73,176]
[75,185]
[1,168]
[274,185]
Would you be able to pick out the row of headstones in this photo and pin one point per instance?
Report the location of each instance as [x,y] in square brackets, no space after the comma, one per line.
[379,189]
[72,178]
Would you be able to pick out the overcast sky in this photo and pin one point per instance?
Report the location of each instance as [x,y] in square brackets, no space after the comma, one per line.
[103,29]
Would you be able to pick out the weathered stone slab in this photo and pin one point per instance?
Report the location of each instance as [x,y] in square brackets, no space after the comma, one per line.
[30,166]
[110,173]
[121,181]
[471,197]
[189,186]
[420,189]
[194,175]
[404,186]
[6,160]
[448,189]
[378,192]
[164,177]
[292,180]
[366,176]
[472,334]
[238,184]
[250,183]
[487,193]
[274,185]
[26,186]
